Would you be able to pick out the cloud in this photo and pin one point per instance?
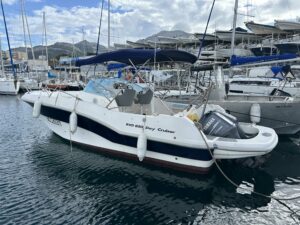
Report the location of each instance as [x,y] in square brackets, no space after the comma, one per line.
[137,19]
[9,2]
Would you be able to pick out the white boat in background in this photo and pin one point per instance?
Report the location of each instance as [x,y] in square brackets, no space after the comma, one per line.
[223,53]
[263,29]
[262,86]
[9,86]
[226,52]
[208,37]
[287,25]
[27,84]
[241,35]
[140,44]
[265,81]
[176,41]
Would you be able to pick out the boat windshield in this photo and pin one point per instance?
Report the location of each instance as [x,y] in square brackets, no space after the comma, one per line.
[109,87]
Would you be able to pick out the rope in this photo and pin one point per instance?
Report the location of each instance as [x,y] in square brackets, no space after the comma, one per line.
[279,200]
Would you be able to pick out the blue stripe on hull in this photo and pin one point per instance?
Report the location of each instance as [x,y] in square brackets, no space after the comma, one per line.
[111,135]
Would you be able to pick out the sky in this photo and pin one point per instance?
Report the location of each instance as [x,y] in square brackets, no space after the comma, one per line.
[75,20]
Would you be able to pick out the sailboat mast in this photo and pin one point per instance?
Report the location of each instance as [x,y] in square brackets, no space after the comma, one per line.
[108,34]
[29,36]
[45,33]
[83,42]
[10,52]
[24,30]
[234,26]
[99,30]
[2,65]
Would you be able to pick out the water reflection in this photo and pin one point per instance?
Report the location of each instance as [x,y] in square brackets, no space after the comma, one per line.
[128,192]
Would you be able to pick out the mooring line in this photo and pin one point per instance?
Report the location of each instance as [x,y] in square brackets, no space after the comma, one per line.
[279,200]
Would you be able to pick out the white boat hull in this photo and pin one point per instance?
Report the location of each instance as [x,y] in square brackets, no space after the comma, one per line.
[9,87]
[287,25]
[172,141]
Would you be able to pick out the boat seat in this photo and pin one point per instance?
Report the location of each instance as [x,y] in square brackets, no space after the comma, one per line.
[126,99]
[243,134]
[144,98]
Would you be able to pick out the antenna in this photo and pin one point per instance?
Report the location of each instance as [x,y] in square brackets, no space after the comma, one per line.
[2,65]
[99,30]
[248,7]
[234,26]
[24,28]
[108,32]
[45,33]
[83,42]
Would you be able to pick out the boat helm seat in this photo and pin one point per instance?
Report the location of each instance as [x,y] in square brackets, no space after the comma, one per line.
[144,98]
[126,98]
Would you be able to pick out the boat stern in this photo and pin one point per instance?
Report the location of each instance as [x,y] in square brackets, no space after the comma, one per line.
[262,143]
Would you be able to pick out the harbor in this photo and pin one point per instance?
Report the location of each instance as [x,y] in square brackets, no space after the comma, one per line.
[168,128]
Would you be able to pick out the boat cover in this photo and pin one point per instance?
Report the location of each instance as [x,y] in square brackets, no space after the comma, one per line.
[140,56]
[115,66]
[235,60]
[51,75]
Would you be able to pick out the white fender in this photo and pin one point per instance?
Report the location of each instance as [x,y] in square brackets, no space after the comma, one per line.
[255,113]
[141,146]
[37,108]
[73,122]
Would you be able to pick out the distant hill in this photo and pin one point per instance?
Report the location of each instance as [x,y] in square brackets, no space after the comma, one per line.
[170,34]
[88,48]
[64,49]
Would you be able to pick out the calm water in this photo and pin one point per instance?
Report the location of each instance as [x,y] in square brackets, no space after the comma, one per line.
[43,182]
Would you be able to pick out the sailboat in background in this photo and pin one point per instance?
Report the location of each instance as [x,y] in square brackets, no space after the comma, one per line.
[31,79]
[8,85]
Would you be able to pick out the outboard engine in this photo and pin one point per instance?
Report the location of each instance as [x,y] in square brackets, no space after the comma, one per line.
[219,125]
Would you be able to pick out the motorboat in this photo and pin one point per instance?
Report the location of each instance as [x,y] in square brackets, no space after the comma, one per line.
[240,35]
[287,25]
[126,119]
[263,29]
[123,118]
